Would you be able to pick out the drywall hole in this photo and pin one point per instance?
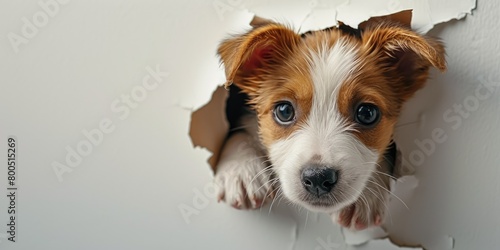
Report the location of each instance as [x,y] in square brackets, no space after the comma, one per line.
[209,126]
[211,123]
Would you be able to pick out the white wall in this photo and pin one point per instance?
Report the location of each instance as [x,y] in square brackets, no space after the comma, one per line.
[458,189]
[73,73]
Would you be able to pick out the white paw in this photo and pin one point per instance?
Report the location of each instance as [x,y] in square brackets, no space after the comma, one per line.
[242,178]
[369,210]
[358,216]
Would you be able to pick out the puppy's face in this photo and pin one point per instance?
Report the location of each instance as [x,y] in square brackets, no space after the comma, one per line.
[327,102]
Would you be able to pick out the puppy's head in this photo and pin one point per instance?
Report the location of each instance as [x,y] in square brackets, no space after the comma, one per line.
[327,101]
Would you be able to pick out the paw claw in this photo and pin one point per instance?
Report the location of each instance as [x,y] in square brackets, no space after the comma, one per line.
[360,226]
[236,205]
[378,220]
[256,203]
[220,197]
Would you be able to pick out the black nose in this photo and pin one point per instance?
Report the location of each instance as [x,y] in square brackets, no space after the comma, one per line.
[318,180]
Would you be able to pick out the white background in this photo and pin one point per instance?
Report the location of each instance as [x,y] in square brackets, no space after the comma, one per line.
[126,193]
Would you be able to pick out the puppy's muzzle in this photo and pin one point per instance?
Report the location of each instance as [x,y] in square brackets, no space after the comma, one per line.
[318,180]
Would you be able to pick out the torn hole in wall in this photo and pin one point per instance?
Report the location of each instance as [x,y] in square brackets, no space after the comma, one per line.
[210,124]
[209,127]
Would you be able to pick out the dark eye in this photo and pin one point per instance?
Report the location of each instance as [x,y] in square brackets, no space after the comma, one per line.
[367,114]
[284,113]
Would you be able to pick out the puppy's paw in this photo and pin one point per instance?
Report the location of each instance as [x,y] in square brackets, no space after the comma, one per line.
[243,178]
[369,210]
[359,216]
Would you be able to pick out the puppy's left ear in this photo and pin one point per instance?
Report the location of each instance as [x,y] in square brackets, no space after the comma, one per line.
[404,55]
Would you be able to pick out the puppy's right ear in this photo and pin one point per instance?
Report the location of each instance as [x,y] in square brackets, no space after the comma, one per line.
[250,56]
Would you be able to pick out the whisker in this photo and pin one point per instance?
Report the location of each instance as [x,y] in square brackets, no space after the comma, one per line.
[240,127]
[405,124]
[274,199]
[391,193]
[270,191]
[272,181]
[377,171]
[281,198]
[383,202]
[307,216]
[264,170]
[361,196]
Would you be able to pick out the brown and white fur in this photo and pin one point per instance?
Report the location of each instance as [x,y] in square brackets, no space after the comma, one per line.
[324,75]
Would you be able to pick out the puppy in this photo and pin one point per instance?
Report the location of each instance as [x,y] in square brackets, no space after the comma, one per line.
[322,107]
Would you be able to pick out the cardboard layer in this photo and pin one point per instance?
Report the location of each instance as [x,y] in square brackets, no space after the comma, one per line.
[209,127]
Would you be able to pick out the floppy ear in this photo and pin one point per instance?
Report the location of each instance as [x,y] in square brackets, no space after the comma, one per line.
[248,57]
[404,55]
